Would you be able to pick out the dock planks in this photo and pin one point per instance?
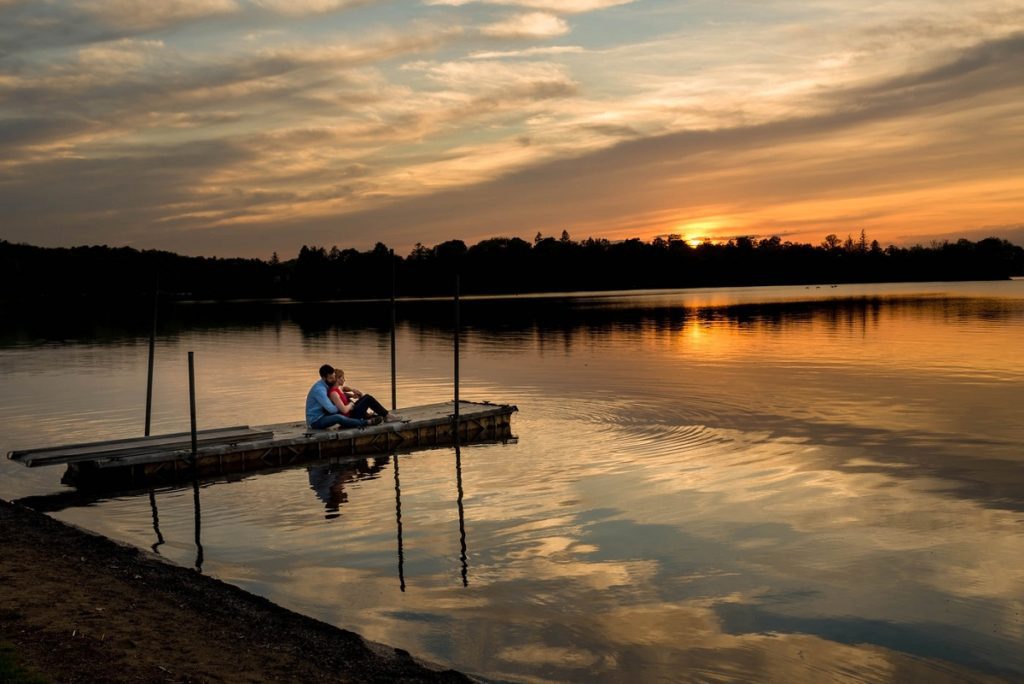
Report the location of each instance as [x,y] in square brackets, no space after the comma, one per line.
[244,448]
[121,448]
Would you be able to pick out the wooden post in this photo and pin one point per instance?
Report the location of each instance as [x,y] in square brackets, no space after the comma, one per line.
[456,339]
[149,374]
[455,438]
[192,401]
[394,394]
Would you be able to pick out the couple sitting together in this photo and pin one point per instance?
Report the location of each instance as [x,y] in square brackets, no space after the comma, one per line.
[331,402]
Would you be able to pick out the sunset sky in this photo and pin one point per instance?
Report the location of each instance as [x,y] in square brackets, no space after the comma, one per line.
[244,127]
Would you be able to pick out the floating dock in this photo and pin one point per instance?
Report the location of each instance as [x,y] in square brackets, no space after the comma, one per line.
[242,448]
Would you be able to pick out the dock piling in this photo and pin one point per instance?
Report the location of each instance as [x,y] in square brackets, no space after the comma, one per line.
[394,394]
[456,340]
[147,461]
[152,351]
[192,402]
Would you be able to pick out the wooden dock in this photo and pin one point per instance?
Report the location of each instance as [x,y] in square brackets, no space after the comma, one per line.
[242,448]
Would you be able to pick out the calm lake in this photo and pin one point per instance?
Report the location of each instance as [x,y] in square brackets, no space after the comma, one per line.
[785,483]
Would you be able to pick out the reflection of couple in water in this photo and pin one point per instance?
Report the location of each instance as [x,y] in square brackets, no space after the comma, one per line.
[328,480]
[331,402]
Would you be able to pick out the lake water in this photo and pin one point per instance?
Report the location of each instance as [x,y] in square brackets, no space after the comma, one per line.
[787,484]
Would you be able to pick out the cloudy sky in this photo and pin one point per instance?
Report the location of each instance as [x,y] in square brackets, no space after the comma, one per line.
[243,127]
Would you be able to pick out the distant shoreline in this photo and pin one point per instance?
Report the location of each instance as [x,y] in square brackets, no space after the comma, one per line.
[494,267]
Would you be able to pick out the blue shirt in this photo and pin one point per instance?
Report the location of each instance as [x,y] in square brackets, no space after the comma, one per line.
[317,402]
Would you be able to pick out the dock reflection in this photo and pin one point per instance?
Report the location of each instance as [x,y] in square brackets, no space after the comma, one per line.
[156,523]
[398,527]
[328,480]
[462,515]
[198,524]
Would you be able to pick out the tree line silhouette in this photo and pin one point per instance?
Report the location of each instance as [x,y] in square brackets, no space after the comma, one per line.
[494,266]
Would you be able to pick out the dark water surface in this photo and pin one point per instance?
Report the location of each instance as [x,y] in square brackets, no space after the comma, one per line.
[795,484]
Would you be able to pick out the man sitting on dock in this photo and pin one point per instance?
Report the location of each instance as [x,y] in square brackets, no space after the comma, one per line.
[321,412]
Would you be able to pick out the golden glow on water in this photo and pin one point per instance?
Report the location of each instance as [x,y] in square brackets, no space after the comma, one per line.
[737,485]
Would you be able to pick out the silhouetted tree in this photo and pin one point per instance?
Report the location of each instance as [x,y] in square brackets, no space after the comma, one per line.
[504,264]
[419,252]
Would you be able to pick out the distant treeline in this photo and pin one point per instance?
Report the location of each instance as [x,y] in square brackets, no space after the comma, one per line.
[497,265]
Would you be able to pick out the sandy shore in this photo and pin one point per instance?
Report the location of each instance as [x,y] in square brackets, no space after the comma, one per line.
[77,607]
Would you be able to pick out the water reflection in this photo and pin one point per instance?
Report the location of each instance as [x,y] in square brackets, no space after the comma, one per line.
[716,486]
[462,514]
[398,527]
[156,523]
[561,319]
[54,503]
[328,480]
[197,512]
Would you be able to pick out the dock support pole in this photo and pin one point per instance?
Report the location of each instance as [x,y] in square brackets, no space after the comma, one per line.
[149,374]
[394,394]
[456,336]
[192,401]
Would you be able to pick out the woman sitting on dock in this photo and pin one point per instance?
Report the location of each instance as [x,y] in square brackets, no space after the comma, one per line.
[321,413]
[342,397]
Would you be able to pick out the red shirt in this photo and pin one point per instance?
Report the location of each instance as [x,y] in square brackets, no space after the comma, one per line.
[337,390]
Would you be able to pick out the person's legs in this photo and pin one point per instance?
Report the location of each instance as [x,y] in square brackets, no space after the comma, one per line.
[324,422]
[365,403]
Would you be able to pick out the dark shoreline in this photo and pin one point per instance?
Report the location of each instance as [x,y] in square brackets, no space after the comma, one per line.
[494,266]
[77,606]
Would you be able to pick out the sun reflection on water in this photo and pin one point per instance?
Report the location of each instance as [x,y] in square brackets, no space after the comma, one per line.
[754,486]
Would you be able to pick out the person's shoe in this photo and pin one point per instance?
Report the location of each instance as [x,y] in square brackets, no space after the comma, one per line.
[374,420]
[393,417]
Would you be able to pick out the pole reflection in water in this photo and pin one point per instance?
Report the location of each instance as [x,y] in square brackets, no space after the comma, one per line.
[199,545]
[462,513]
[763,433]
[156,523]
[398,526]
